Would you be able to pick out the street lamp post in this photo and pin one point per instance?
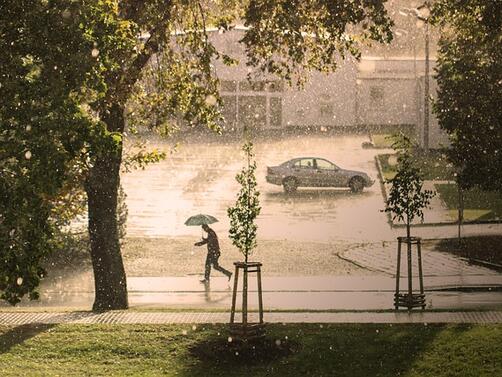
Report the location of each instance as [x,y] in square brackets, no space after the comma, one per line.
[422,14]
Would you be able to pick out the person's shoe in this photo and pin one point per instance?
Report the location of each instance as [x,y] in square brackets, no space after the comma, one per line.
[204,281]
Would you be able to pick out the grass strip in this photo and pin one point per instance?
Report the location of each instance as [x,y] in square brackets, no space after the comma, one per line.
[433,166]
[479,205]
[294,350]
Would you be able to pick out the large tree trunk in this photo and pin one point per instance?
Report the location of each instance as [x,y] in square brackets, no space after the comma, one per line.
[102,188]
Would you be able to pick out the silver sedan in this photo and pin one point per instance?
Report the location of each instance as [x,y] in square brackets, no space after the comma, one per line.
[315,172]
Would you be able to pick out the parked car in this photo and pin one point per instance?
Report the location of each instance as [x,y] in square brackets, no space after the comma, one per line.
[315,172]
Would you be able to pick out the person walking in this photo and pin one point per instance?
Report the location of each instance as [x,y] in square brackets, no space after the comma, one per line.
[213,254]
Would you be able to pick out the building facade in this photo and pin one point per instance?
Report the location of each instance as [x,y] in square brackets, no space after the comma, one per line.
[373,92]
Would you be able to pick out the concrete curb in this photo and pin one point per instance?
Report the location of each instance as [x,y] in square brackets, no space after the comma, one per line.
[425,224]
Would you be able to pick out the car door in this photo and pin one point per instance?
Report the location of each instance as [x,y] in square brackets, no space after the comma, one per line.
[327,173]
[303,170]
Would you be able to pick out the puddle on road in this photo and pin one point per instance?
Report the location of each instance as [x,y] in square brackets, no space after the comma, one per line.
[199,178]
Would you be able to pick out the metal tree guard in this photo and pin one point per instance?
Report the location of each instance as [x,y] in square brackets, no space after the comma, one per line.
[409,299]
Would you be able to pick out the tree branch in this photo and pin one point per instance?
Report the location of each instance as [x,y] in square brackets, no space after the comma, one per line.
[132,73]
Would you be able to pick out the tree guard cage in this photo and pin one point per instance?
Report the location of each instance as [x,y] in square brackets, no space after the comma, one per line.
[409,298]
[246,329]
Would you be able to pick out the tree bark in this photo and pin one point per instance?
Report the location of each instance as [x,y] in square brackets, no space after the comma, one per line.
[102,191]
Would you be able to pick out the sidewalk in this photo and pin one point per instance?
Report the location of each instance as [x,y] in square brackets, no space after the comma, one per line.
[382,257]
[373,292]
[450,282]
[129,317]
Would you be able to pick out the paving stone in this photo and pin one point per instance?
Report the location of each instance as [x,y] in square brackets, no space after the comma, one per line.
[128,317]
[383,257]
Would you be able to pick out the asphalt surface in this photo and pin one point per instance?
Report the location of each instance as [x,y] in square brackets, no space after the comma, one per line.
[200,178]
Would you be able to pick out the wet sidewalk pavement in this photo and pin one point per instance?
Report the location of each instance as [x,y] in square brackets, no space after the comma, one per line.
[286,293]
[382,257]
[450,283]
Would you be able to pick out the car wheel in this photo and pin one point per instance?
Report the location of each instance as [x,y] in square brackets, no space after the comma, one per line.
[290,185]
[356,184]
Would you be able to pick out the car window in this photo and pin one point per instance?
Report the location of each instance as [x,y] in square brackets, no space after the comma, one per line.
[305,163]
[324,164]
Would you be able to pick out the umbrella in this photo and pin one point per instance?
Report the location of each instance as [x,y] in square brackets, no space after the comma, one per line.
[200,219]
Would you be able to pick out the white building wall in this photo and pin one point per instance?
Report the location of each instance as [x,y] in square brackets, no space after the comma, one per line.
[326,100]
[386,101]
[373,92]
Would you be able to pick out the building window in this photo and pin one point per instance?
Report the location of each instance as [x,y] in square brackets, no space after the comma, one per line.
[275,112]
[229,111]
[326,110]
[300,113]
[228,85]
[376,96]
[253,86]
[252,112]
[275,86]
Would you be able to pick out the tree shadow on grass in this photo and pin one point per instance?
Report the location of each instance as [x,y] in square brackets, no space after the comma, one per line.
[19,334]
[318,350]
[228,352]
[484,248]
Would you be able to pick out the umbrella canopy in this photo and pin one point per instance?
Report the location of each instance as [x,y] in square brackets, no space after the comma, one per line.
[200,219]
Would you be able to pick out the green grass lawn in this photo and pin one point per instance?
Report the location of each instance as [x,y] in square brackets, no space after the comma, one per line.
[290,350]
[383,140]
[434,166]
[384,137]
[478,204]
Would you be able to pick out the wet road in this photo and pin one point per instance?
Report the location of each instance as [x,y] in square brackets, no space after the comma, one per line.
[199,178]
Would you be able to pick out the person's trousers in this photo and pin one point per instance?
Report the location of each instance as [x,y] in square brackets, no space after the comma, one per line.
[212,260]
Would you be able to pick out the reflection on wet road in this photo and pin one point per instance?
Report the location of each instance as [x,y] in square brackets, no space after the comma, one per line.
[199,178]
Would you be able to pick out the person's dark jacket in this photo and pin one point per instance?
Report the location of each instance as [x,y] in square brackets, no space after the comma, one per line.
[213,247]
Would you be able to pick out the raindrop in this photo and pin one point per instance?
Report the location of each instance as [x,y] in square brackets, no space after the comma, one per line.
[210,100]
[236,353]
[19,281]
[278,342]
[194,328]
[12,232]
[94,52]
[28,128]
[229,339]
[27,155]
[392,161]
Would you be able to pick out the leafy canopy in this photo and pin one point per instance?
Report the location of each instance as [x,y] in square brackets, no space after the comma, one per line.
[247,206]
[46,74]
[406,199]
[68,63]
[469,75]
